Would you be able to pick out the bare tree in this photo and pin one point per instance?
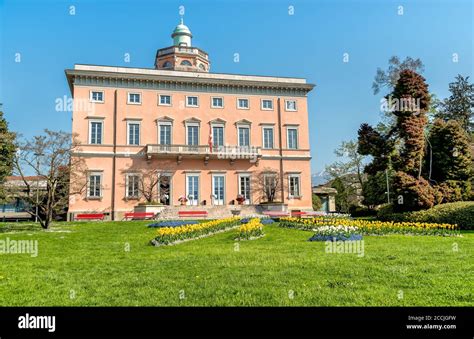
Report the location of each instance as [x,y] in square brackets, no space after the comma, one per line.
[49,158]
[267,183]
[149,182]
[353,162]
[388,78]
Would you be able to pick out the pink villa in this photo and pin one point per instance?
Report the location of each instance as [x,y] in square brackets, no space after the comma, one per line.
[215,142]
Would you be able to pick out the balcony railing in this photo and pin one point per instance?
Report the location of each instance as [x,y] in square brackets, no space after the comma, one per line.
[183,49]
[178,149]
[219,152]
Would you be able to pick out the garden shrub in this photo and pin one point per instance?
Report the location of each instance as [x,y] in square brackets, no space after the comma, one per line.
[317,204]
[387,213]
[460,213]
[454,190]
[415,193]
[360,211]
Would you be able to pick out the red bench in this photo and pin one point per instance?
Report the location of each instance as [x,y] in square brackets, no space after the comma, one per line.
[90,216]
[184,214]
[139,215]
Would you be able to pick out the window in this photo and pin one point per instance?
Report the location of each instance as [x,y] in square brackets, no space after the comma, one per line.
[244,187]
[243,103]
[244,136]
[95,189]
[192,189]
[165,134]
[133,133]
[217,102]
[202,67]
[97,96]
[192,135]
[292,138]
[133,182]
[218,136]
[165,100]
[95,135]
[186,63]
[268,137]
[166,64]
[267,104]
[192,101]
[290,105]
[218,189]
[294,185]
[134,98]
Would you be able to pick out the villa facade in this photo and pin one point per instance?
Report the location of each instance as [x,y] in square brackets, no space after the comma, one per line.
[212,139]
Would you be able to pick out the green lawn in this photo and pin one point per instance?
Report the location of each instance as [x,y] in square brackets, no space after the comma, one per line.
[88,261]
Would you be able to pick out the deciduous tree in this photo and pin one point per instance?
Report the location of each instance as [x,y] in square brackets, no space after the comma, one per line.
[7,153]
[48,157]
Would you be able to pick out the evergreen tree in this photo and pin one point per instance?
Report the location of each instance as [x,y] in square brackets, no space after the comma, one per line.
[451,160]
[412,100]
[342,196]
[451,156]
[379,146]
[375,190]
[459,105]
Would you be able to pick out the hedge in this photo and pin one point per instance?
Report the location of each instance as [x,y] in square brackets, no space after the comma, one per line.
[460,213]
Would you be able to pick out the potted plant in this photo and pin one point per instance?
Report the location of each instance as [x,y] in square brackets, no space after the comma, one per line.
[183,200]
[240,199]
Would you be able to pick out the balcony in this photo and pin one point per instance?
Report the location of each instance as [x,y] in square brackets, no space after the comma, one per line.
[232,153]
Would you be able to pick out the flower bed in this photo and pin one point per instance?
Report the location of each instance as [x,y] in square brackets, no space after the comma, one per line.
[173,223]
[170,235]
[263,221]
[374,227]
[251,230]
[336,233]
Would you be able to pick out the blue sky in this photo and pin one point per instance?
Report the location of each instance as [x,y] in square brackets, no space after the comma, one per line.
[310,44]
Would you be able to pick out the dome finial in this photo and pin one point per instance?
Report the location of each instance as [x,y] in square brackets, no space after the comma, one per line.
[182,20]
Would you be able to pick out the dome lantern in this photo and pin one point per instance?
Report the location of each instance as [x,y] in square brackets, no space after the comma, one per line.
[182,35]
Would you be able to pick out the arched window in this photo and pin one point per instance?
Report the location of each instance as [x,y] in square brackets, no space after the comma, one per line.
[201,66]
[167,64]
[185,63]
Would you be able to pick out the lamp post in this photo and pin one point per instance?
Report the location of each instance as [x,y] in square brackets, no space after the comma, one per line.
[388,187]
[37,155]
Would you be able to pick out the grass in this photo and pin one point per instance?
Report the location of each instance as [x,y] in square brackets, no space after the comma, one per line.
[87,264]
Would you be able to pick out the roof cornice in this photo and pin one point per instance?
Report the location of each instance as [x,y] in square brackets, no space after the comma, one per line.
[156,79]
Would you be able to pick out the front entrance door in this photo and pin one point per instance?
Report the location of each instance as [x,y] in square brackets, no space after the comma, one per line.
[165,189]
[218,189]
[324,204]
[192,189]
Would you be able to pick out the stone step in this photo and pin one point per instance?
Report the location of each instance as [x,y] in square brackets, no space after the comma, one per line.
[214,212]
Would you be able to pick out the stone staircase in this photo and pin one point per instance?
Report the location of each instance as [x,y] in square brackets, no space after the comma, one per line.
[214,212]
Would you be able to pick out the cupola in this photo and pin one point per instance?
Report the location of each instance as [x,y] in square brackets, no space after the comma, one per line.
[182,56]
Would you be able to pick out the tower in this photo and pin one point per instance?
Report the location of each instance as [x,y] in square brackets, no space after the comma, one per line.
[182,56]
